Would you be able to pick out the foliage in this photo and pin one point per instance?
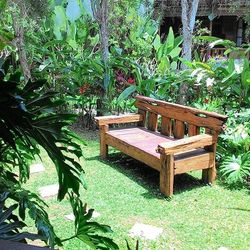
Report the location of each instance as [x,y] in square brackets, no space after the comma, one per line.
[234,149]
[86,230]
[236,169]
[150,81]
[28,122]
[10,223]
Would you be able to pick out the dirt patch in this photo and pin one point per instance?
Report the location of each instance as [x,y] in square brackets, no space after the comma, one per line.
[87,134]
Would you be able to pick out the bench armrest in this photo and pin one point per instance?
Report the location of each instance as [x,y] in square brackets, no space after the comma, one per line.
[185,144]
[111,119]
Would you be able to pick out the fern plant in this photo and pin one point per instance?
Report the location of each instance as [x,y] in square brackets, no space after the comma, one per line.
[236,169]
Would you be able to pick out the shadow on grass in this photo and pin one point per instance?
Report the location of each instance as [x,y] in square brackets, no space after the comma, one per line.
[233,186]
[239,209]
[147,177]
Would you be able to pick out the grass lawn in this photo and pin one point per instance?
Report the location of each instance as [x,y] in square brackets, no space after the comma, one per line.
[124,192]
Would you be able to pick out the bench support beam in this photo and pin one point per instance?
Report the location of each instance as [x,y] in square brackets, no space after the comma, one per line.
[167,174]
[103,145]
[209,175]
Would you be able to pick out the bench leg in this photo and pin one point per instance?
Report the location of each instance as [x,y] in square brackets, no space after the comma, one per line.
[167,175]
[103,145]
[209,175]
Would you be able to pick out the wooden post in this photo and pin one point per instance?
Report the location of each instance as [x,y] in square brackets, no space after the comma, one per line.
[144,114]
[166,126]
[167,174]
[103,145]
[209,175]
[179,129]
[152,121]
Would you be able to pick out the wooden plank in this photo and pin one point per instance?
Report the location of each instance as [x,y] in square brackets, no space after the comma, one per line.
[189,115]
[152,121]
[174,106]
[135,152]
[179,129]
[196,162]
[143,113]
[111,119]
[166,126]
[185,144]
[142,138]
[209,175]
[103,145]
[167,175]
[193,130]
[182,115]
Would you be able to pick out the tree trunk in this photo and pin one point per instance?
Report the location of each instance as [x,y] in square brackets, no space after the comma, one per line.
[100,11]
[189,10]
[104,32]
[19,33]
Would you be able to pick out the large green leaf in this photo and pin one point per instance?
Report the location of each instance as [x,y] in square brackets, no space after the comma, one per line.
[157,42]
[170,39]
[60,22]
[74,9]
[126,93]
[175,52]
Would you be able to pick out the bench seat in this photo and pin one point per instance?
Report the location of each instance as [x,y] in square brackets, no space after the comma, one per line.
[142,144]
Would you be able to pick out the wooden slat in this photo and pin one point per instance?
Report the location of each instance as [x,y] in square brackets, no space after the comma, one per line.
[179,129]
[143,114]
[196,162]
[193,116]
[152,121]
[185,144]
[112,119]
[103,146]
[193,130]
[166,126]
[134,152]
[180,107]
[209,175]
[167,175]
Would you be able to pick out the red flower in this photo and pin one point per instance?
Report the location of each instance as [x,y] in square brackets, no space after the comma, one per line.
[84,88]
[131,81]
[206,100]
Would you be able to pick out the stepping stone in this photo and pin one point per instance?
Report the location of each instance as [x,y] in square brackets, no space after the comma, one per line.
[49,191]
[36,168]
[72,217]
[146,231]
[223,248]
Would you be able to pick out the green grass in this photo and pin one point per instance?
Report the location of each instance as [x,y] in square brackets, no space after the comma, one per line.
[125,192]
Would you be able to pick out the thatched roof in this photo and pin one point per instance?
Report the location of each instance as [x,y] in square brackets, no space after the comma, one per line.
[172,8]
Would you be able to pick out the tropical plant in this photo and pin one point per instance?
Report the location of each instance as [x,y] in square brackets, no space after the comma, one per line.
[233,148]
[29,121]
[151,81]
[236,170]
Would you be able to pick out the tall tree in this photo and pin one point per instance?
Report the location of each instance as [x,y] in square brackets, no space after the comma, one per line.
[20,40]
[189,11]
[100,11]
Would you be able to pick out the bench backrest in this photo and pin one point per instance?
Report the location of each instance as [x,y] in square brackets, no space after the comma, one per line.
[177,120]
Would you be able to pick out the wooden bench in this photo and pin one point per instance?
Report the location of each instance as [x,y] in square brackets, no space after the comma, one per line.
[170,138]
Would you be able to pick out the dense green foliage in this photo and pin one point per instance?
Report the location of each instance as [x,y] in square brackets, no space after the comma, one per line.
[29,122]
[70,82]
